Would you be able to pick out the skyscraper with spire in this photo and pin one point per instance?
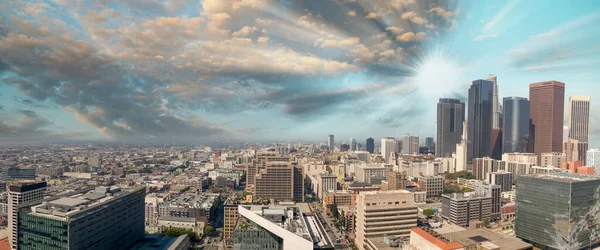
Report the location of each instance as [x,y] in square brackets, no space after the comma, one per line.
[495,102]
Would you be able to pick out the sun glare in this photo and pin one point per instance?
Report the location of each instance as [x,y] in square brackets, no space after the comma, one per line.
[436,74]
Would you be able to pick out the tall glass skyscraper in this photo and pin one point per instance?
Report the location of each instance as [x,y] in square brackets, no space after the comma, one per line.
[516,124]
[370,145]
[480,119]
[450,115]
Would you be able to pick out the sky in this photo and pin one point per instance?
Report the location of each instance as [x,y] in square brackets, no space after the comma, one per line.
[252,70]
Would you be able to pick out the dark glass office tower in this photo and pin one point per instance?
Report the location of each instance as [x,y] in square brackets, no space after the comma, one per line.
[370,145]
[480,120]
[558,211]
[450,115]
[516,124]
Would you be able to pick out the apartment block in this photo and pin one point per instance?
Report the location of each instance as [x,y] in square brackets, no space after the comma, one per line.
[459,208]
[433,185]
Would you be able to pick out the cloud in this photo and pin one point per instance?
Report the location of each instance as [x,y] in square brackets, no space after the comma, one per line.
[136,70]
[246,30]
[411,37]
[442,12]
[414,17]
[330,43]
[483,37]
[394,30]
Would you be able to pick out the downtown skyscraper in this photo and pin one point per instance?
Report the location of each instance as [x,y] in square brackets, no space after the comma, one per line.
[480,112]
[579,118]
[450,116]
[516,124]
[370,145]
[330,143]
[546,111]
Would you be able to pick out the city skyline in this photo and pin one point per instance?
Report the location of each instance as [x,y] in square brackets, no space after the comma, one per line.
[284,70]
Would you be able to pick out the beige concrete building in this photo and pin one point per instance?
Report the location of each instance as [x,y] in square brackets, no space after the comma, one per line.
[340,198]
[459,208]
[520,157]
[275,181]
[397,180]
[433,185]
[552,159]
[259,162]
[365,172]
[384,213]
[482,167]
[326,182]
[230,217]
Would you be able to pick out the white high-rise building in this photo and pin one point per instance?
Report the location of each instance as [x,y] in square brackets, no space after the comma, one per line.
[495,103]
[330,143]
[410,145]
[579,118]
[461,151]
[20,193]
[353,146]
[387,147]
[592,159]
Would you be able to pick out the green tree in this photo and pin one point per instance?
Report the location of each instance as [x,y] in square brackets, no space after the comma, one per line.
[486,223]
[465,189]
[208,230]
[428,212]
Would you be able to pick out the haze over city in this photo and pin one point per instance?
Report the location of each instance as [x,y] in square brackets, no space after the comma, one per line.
[275,70]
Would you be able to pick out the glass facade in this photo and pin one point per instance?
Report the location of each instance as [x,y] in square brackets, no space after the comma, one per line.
[479,120]
[253,237]
[558,213]
[515,129]
[40,233]
[450,116]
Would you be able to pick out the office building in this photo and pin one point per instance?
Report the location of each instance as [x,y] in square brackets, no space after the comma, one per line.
[352,143]
[230,218]
[515,130]
[460,238]
[433,185]
[496,147]
[17,173]
[546,110]
[460,208]
[341,198]
[562,205]
[370,145]
[299,183]
[258,163]
[450,117]
[103,218]
[326,182]
[410,145]
[483,166]
[364,172]
[282,150]
[397,180]
[330,143]
[384,213]
[493,191]
[461,151]
[387,147]
[397,147]
[579,118]
[21,192]
[575,150]
[515,168]
[496,123]
[503,179]
[479,120]
[276,181]
[553,159]
[429,144]
[592,159]
[529,158]
[277,227]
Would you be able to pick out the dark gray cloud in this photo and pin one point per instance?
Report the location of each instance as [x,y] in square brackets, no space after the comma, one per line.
[147,80]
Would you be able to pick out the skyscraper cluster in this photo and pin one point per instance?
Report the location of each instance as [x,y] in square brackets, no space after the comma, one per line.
[519,125]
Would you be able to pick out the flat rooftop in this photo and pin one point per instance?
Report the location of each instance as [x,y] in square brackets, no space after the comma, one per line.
[565,177]
[482,235]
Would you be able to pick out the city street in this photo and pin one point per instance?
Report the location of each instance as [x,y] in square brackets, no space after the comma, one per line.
[327,222]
